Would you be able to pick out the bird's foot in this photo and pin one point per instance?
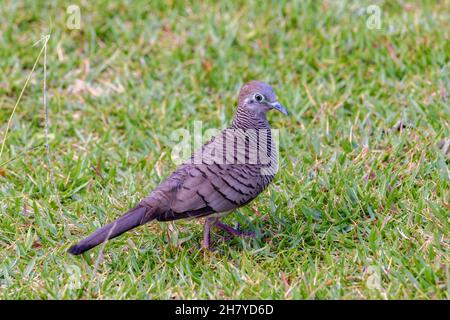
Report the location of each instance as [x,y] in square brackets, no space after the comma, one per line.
[205,249]
[206,243]
[234,232]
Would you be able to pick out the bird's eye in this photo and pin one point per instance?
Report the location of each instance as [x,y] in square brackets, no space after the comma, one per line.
[259,97]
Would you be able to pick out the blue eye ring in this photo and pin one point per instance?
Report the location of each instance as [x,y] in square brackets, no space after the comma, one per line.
[258,97]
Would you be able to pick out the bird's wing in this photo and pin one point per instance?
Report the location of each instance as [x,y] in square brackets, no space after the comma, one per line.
[203,189]
[219,187]
[204,185]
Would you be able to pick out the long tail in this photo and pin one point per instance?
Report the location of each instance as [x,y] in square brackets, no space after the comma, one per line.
[133,218]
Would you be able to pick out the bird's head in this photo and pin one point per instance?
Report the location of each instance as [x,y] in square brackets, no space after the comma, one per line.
[259,98]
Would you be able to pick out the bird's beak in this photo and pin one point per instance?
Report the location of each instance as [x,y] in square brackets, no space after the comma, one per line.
[277,106]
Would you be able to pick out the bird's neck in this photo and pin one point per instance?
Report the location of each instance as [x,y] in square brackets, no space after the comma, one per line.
[246,119]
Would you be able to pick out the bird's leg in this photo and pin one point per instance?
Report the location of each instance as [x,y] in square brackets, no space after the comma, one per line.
[206,232]
[232,231]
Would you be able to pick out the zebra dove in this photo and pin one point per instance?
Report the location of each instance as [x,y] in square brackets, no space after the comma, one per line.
[228,172]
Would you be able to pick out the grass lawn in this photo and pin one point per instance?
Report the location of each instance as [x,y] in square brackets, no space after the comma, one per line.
[358,210]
